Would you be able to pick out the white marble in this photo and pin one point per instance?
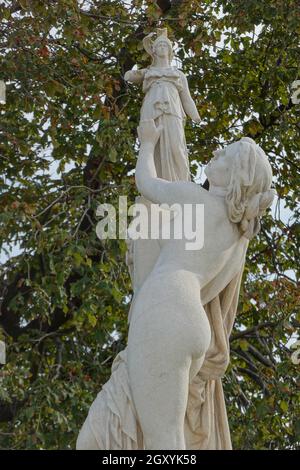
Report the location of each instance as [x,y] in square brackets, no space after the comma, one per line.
[2,92]
[168,101]
[165,391]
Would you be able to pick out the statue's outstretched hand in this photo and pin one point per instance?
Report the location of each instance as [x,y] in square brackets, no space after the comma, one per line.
[148,132]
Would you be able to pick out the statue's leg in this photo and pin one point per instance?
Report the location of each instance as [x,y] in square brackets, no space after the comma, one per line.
[160,398]
[165,337]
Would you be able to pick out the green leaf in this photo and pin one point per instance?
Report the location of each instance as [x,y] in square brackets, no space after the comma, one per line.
[284,406]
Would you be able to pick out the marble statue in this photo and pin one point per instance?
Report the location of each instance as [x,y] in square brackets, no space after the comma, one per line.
[167,100]
[165,389]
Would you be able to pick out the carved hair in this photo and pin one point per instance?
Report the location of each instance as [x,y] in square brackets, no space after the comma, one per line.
[249,193]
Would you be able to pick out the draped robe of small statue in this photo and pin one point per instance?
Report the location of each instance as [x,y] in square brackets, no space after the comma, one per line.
[162,102]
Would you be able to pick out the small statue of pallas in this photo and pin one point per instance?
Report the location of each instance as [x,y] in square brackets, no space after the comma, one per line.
[167,100]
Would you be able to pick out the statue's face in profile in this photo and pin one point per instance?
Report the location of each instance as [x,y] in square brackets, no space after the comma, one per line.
[218,170]
[161,49]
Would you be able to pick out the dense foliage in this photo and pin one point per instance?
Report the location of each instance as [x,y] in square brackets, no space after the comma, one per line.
[67,143]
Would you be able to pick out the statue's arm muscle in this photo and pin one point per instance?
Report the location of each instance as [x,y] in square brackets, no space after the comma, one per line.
[159,190]
[187,101]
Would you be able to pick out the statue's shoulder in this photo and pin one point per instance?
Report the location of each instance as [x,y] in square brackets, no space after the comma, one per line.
[182,75]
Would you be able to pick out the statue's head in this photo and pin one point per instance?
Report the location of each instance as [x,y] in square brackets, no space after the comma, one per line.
[160,47]
[243,170]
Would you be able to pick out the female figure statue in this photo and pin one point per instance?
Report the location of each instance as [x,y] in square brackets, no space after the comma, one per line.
[167,100]
[165,390]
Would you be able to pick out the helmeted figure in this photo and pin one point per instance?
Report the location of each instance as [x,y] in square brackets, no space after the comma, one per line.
[167,100]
